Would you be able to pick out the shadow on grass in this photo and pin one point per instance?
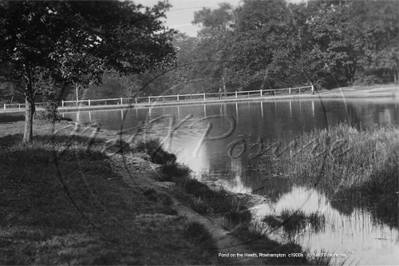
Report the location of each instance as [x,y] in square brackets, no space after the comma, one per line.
[63,204]
[10,140]
[8,118]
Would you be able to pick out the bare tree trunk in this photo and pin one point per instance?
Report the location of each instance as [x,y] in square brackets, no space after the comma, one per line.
[29,106]
[224,81]
[29,111]
[77,93]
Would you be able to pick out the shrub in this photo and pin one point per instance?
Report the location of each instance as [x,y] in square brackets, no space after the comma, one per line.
[154,148]
[161,156]
[196,188]
[368,80]
[147,146]
[174,172]
[50,112]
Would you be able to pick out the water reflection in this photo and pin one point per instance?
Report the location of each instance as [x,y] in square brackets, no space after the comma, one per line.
[348,228]
[355,235]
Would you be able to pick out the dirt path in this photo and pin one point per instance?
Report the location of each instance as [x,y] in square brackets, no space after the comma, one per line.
[137,172]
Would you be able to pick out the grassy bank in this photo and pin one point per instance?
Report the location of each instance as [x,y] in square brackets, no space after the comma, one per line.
[63,204]
[353,167]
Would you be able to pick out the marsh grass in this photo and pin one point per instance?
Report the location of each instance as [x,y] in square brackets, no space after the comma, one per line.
[349,155]
[237,211]
[347,164]
[293,222]
[63,204]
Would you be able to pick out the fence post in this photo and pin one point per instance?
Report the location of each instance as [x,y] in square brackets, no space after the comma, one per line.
[62,103]
[289,90]
[204,96]
[19,107]
[149,99]
[236,94]
[121,101]
[177,97]
[299,90]
[89,102]
[312,89]
[260,92]
[4,107]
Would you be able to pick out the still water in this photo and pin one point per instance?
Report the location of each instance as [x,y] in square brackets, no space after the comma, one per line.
[214,149]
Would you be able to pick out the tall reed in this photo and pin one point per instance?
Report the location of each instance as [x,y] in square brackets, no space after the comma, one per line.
[345,163]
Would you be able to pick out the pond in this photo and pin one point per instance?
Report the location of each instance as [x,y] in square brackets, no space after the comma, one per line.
[219,142]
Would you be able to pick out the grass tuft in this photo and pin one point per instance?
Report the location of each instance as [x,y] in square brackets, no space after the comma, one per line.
[174,172]
[293,222]
[198,232]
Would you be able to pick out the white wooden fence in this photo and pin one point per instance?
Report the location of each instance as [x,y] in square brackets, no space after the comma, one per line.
[198,97]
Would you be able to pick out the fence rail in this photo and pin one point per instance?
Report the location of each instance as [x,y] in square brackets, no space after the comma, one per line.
[204,97]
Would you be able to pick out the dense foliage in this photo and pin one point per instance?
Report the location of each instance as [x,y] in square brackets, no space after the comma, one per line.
[50,45]
[271,44]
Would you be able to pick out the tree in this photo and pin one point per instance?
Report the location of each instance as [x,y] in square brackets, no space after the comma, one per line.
[379,22]
[337,43]
[76,41]
[327,42]
[181,76]
[252,45]
[292,63]
[356,41]
[202,67]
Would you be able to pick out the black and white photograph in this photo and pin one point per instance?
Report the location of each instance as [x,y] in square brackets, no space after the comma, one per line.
[199,132]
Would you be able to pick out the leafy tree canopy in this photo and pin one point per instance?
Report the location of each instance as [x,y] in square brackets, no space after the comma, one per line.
[76,41]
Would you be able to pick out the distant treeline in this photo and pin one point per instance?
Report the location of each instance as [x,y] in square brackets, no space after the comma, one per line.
[272,44]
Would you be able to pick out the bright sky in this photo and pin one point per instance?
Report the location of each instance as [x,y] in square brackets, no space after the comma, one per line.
[182,13]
